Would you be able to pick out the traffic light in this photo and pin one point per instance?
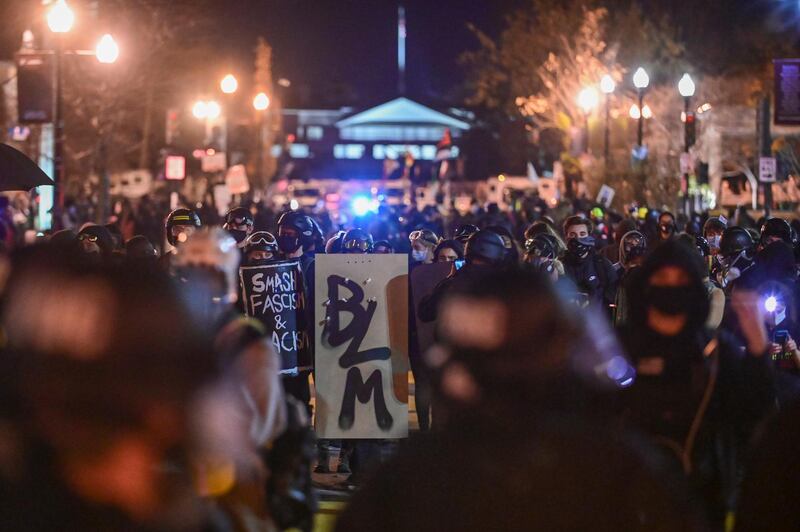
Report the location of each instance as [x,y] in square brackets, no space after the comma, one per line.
[34,88]
[173,124]
[691,129]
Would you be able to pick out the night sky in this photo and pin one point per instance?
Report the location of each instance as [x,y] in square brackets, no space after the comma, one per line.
[354,41]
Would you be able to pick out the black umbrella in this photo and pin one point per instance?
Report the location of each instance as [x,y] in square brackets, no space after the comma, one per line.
[18,172]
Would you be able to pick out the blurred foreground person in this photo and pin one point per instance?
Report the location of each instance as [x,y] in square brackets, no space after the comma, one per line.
[207,265]
[101,379]
[695,394]
[517,448]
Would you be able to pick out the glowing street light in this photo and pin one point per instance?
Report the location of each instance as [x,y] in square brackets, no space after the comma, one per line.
[261,101]
[60,18]
[647,113]
[228,85]
[107,50]
[634,112]
[214,110]
[200,110]
[588,99]
[607,84]
[640,79]
[686,86]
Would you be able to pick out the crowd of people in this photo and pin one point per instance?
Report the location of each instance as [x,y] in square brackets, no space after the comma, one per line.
[591,370]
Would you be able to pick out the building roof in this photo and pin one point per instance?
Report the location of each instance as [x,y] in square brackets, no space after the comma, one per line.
[402,111]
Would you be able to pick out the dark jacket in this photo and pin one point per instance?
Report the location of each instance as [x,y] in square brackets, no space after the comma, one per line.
[594,276]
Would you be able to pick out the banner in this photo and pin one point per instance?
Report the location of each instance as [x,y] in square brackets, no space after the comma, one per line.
[273,294]
[361,362]
[787,91]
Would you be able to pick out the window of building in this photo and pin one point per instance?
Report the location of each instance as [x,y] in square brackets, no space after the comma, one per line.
[314,132]
[299,151]
[349,151]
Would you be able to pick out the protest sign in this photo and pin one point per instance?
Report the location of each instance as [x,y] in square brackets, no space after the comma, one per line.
[361,356]
[273,294]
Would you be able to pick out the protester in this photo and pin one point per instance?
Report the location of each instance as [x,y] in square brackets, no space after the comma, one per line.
[448,251]
[179,226]
[382,247]
[694,393]
[667,228]
[593,275]
[140,251]
[260,247]
[239,223]
[423,243]
[357,241]
[517,446]
[632,251]
[736,256]
[712,231]
[541,254]
[96,241]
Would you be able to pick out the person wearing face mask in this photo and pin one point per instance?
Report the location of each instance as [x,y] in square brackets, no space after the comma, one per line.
[716,296]
[260,248]
[541,254]
[712,231]
[696,395]
[632,250]
[735,259]
[592,274]
[423,242]
[239,223]
[667,228]
[298,235]
[775,230]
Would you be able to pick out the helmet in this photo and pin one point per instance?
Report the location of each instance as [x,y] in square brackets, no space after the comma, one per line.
[334,244]
[238,216]
[182,216]
[777,228]
[357,241]
[261,241]
[464,231]
[139,248]
[383,244]
[215,250]
[424,236]
[734,241]
[542,245]
[302,223]
[632,245]
[485,245]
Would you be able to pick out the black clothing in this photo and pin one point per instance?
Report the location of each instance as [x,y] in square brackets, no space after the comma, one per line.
[593,276]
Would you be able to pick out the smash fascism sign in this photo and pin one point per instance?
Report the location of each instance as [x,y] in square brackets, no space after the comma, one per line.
[273,294]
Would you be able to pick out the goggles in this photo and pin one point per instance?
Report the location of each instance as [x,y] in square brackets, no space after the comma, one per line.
[360,245]
[425,236]
[87,236]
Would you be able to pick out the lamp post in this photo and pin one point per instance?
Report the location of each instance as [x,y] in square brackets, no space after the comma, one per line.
[60,19]
[640,80]
[607,86]
[587,100]
[229,84]
[686,89]
[261,104]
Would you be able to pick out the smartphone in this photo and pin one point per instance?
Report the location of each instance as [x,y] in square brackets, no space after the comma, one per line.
[459,263]
[780,336]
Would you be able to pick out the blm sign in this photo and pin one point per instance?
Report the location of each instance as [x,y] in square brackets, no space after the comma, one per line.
[361,356]
[273,294]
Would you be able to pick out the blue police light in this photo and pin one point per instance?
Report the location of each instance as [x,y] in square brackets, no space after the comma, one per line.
[363,205]
[770,304]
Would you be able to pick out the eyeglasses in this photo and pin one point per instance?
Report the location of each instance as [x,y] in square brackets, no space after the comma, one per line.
[86,236]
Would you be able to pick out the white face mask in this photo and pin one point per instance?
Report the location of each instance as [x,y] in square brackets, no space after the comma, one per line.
[419,256]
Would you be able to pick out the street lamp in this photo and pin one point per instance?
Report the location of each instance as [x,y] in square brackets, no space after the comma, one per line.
[607,85]
[686,89]
[60,17]
[587,100]
[200,110]
[640,80]
[228,85]
[213,110]
[261,102]
[107,50]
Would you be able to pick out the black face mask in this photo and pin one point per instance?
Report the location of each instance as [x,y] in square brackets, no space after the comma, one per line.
[288,244]
[671,300]
[238,235]
[667,229]
[580,247]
